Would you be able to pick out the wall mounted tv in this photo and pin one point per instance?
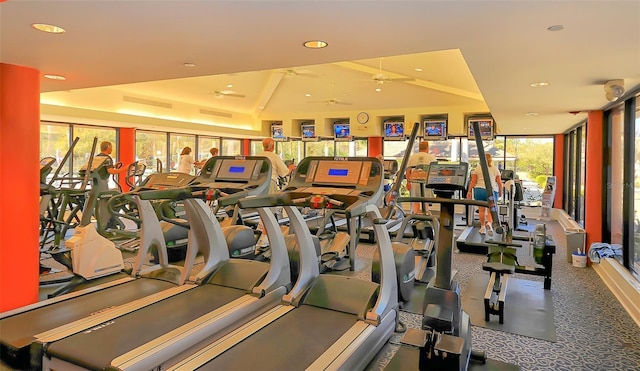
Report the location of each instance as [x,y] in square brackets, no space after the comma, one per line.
[277,132]
[308,132]
[393,130]
[341,131]
[486,128]
[435,129]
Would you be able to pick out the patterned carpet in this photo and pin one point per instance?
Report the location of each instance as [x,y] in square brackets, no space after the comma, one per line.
[594,332]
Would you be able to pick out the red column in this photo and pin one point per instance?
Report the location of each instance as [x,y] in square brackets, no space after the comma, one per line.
[375,146]
[126,152]
[19,189]
[558,169]
[246,147]
[593,178]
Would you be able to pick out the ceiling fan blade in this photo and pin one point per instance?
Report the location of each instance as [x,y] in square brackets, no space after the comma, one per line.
[343,103]
[233,95]
[401,79]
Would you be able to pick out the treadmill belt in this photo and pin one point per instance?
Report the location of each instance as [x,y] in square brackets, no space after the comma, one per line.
[96,348]
[292,342]
[18,331]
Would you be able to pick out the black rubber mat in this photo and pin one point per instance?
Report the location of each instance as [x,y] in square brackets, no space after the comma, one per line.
[528,308]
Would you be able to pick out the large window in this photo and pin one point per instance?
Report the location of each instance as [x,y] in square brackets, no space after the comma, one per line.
[82,150]
[616,183]
[255,147]
[321,148]
[354,148]
[177,142]
[204,145]
[531,159]
[635,247]
[292,150]
[151,148]
[55,140]
[231,147]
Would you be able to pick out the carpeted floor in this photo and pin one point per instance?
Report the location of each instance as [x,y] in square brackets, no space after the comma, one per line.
[593,330]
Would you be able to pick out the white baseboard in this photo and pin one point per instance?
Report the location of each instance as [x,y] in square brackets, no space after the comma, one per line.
[623,286]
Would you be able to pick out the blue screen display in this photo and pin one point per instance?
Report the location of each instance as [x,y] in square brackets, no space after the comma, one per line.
[393,129]
[338,172]
[341,130]
[236,169]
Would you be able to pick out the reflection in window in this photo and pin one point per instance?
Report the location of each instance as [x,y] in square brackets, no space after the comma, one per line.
[151,148]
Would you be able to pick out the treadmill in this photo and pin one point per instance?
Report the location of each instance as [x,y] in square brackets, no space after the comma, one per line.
[327,321]
[229,292]
[19,328]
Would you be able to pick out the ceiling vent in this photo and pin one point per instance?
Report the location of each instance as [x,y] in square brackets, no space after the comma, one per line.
[215,113]
[147,102]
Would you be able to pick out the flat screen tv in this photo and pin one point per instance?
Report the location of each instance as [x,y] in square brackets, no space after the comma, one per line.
[394,130]
[277,132]
[341,131]
[486,128]
[308,132]
[435,130]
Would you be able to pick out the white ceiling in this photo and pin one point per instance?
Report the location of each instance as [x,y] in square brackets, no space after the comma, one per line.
[473,54]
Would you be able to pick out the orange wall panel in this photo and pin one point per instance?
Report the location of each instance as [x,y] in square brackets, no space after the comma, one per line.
[19,189]
[593,178]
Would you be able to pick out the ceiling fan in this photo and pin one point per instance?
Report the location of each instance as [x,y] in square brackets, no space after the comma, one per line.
[292,72]
[331,101]
[380,78]
[219,94]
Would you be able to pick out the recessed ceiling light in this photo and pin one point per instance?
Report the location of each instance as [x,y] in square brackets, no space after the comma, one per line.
[378,89]
[307,95]
[557,27]
[55,77]
[315,44]
[531,114]
[539,84]
[418,69]
[189,64]
[48,28]
[229,85]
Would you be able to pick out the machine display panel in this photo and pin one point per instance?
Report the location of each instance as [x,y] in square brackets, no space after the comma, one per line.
[236,170]
[337,172]
[447,174]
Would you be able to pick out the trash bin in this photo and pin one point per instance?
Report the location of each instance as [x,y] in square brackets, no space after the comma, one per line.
[575,238]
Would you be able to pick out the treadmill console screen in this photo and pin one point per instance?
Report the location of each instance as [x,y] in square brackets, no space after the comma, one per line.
[340,172]
[238,170]
[447,176]
[170,180]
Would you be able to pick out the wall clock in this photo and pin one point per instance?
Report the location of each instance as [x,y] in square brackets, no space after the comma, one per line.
[363,117]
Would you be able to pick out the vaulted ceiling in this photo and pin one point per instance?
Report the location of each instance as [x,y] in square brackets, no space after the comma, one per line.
[443,55]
